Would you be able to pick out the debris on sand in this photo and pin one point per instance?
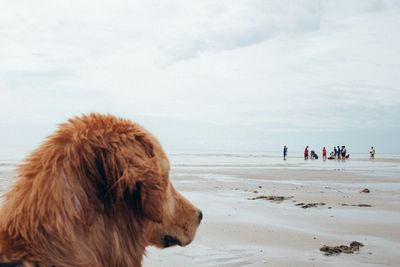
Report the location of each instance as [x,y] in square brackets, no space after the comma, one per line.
[331,251]
[277,199]
[310,205]
[365,190]
[358,205]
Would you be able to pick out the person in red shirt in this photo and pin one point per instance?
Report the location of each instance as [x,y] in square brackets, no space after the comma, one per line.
[306,153]
[323,153]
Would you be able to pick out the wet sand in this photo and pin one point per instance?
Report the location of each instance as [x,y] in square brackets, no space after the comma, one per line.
[242,227]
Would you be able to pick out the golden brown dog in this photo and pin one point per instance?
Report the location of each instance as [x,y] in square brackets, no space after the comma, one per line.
[95,193]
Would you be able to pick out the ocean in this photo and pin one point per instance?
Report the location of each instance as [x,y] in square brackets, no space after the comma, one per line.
[383,165]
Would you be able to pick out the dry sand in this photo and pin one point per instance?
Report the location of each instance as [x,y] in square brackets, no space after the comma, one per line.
[238,230]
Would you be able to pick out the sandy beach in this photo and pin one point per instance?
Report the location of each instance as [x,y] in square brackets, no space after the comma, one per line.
[240,229]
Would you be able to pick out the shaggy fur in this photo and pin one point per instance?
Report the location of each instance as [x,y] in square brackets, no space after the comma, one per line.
[95,193]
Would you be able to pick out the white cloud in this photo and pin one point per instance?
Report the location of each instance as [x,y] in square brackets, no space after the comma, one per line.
[279,66]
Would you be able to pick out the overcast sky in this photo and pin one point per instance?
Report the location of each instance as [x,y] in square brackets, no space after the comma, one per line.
[205,75]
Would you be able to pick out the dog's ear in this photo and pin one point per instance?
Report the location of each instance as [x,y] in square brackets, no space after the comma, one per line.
[153,184]
[130,175]
[146,197]
[153,197]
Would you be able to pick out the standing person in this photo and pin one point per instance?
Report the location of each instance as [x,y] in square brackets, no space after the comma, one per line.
[372,153]
[335,152]
[284,152]
[306,153]
[323,153]
[343,152]
[338,152]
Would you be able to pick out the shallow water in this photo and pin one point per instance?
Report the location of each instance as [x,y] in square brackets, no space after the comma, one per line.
[385,165]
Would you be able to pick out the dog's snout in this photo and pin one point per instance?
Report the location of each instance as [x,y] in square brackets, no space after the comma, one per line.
[200,215]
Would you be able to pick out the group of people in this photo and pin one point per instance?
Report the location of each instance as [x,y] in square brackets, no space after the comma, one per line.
[313,155]
[339,153]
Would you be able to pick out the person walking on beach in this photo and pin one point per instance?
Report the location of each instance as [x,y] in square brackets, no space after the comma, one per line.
[323,153]
[335,152]
[306,153]
[372,153]
[284,152]
[338,152]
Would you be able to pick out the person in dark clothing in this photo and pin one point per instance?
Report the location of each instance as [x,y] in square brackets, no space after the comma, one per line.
[313,155]
[343,152]
[285,148]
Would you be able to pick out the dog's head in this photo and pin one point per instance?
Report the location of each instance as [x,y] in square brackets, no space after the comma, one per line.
[96,192]
[127,172]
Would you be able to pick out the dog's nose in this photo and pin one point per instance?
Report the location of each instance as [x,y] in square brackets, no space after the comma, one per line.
[200,215]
